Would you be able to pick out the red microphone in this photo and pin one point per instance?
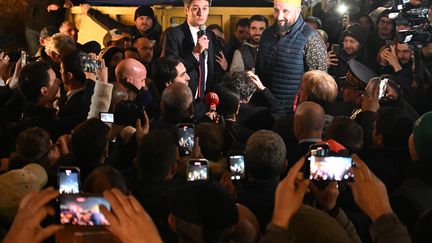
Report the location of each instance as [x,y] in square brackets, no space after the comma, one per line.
[212,101]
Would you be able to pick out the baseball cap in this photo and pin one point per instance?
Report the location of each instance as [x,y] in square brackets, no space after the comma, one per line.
[15,184]
[113,35]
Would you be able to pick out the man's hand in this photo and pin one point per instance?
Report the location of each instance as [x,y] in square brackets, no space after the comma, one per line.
[13,82]
[196,150]
[227,183]
[53,7]
[332,59]
[142,129]
[4,62]
[391,58]
[85,8]
[326,198]
[63,144]
[256,80]
[370,99]
[32,210]
[220,58]
[102,72]
[202,44]
[128,220]
[370,194]
[289,197]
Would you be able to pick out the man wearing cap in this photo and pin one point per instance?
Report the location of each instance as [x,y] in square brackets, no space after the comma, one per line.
[354,39]
[146,23]
[288,48]
[117,38]
[377,39]
[355,82]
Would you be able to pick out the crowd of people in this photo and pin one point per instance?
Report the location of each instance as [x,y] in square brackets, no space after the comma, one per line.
[129,115]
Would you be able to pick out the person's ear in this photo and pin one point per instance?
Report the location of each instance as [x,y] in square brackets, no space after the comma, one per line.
[43,91]
[186,10]
[379,138]
[69,75]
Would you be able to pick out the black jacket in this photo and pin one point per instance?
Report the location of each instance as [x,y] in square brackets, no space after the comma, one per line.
[37,15]
[107,23]
[179,42]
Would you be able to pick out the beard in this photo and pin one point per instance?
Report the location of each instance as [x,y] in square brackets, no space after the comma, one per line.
[254,40]
[283,28]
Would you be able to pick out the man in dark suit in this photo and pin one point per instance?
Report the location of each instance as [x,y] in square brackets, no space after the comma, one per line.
[75,104]
[196,49]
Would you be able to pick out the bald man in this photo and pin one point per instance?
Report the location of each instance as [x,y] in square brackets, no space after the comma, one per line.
[132,74]
[309,120]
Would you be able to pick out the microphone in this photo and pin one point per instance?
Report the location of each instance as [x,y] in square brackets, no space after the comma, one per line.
[201,32]
[212,101]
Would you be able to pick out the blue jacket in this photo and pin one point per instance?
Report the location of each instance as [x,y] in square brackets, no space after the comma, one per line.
[280,61]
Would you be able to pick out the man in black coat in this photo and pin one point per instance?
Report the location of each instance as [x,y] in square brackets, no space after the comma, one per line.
[196,49]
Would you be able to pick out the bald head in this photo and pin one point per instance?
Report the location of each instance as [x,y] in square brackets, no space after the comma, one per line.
[309,120]
[131,71]
[176,101]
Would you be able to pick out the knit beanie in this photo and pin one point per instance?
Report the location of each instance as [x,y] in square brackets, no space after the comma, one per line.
[144,11]
[357,32]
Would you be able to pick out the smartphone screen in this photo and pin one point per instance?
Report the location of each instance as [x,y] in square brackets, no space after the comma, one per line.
[335,48]
[83,210]
[237,167]
[330,168]
[382,88]
[197,170]
[107,117]
[68,180]
[186,135]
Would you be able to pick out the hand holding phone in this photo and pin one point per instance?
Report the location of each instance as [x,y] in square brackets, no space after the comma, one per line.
[197,169]
[82,210]
[69,180]
[237,167]
[186,136]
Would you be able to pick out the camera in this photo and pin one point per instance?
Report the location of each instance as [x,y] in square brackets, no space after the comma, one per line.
[327,166]
[68,180]
[417,18]
[330,168]
[82,210]
[197,169]
[127,112]
[237,167]
[88,64]
[106,117]
[186,135]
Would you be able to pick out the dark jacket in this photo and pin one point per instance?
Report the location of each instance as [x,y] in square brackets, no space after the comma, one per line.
[179,42]
[107,23]
[414,197]
[37,15]
[280,61]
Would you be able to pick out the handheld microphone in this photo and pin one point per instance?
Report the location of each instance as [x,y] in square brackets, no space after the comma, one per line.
[201,32]
[212,101]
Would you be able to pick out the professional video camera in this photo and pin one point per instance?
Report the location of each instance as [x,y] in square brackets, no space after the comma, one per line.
[416,17]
